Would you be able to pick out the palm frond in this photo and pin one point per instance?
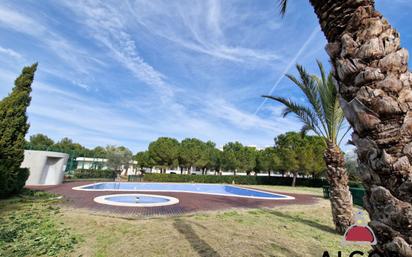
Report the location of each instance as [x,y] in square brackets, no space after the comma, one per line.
[306,115]
[323,114]
[283,4]
[322,71]
[309,87]
[304,130]
[332,112]
[328,98]
[344,134]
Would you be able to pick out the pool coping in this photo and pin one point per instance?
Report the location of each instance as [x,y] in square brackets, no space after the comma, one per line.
[284,197]
[102,200]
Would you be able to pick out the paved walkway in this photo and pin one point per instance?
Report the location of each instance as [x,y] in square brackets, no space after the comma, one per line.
[188,202]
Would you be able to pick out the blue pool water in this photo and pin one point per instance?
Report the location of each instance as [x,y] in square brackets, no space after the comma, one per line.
[132,199]
[214,189]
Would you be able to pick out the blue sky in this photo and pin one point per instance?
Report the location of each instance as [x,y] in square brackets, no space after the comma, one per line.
[127,72]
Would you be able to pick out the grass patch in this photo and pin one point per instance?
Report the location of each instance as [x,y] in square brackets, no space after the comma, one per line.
[285,231]
[33,225]
[30,225]
[288,189]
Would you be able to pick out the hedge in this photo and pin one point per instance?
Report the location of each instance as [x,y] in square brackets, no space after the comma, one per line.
[357,194]
[244,180]
[12,179]
[92,173]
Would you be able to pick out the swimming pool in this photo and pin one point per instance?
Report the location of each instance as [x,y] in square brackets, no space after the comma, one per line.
[211,189]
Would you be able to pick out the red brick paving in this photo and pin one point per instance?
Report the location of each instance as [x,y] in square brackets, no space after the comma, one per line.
[188,202]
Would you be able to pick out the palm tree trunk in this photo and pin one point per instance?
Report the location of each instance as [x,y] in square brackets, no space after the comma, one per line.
[375,87]
[340,196]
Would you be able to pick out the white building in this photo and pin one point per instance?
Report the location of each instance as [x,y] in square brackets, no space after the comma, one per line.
[101,163]
[46,168]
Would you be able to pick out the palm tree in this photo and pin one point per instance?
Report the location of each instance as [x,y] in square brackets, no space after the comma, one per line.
[325,118]
[374,83]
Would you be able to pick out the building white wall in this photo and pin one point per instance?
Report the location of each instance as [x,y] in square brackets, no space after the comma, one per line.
[46,168]
[100,163]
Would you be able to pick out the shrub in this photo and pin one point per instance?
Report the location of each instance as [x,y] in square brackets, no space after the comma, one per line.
[355,184]
[12,179]
[358,192]
[13,129]
[91,173]
[244,180]
[22,176]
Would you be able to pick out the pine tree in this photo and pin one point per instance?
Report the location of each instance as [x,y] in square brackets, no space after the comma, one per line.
[13,129]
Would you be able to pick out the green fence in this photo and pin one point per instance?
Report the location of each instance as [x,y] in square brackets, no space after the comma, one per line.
[357,194]
[135,178]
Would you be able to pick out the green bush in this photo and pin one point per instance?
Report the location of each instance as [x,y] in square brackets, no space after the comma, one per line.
[89,173]
[22,176]
[13,129]
[355,184]
[12,179]
[244,180]
[358,192]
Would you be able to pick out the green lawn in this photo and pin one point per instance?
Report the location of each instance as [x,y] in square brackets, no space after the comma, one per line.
[284,231]
[288,189]
[32,225]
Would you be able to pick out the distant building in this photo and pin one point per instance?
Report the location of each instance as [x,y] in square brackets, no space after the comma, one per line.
[101,164]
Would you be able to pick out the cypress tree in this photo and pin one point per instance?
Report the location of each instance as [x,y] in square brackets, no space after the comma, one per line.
[13,129]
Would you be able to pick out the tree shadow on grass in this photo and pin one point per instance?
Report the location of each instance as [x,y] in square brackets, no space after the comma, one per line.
[302,220]
[199,245]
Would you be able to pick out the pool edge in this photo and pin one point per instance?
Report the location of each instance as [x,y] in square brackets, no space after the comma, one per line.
[284,197]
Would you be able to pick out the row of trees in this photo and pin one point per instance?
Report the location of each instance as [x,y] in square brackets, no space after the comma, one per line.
[292,153]
[66,145]
[118,157]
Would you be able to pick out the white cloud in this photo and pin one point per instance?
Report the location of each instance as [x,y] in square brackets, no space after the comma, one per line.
[107,26]
[81,85]
[72,55]
[197,27]
[117,33]
[10,52]
[291,63]
[17,21]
